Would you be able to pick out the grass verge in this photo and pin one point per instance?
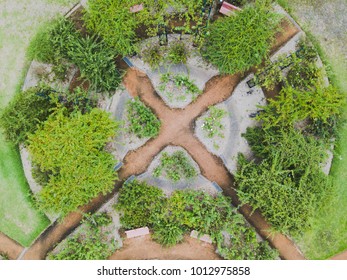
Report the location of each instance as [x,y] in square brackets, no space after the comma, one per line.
[328,234]
[19,218]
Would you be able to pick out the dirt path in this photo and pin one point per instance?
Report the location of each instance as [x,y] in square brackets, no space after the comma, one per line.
[144,248]
[177,129]
[341,256]
[10,247]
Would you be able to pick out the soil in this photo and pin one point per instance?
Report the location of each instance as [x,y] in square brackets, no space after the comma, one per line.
[10,247]
[288,31]
[271,94]
[177,129]
[77,81]
[341,256]
[144,248]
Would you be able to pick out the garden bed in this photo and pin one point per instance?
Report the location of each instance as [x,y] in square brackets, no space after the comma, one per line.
[199,182]
[111,231]
[126,141]
[196,69]
[215,138]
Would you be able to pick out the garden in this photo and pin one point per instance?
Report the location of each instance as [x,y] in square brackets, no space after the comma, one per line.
[163,118]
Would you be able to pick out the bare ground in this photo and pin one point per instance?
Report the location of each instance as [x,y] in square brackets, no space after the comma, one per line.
[144,248]
[10,247]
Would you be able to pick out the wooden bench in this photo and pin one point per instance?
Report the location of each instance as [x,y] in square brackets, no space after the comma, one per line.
[137,232]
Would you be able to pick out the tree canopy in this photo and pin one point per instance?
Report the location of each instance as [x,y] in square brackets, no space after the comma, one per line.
[23,114]
[286,182]
[238,42]
[291,105]
[71,148]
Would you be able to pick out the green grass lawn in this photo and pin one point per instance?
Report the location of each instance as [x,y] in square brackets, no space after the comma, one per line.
[326,22]
[19,218]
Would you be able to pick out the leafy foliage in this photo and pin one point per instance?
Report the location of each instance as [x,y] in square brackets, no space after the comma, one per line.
[304,75]
[94,58]
[23,114]
[40,47]
[185,210]
[178,53]
[271,74]
[117,25]
[113,21]
[212,123]
[168,234]
[77,100]
[153,56]
[180,82]
[286,185]
[96,61]
[140,204]
[291,105]
[175,167]
[92,244]
[241,41]
[4,257]
[143,122]
[71,147]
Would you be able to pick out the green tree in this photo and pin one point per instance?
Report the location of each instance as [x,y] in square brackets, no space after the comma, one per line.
[71,148]
[238,42]
[285,183]
[292,105]
[139,203]
[25,112]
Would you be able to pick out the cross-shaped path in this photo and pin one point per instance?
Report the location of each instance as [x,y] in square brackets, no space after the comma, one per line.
[178,129]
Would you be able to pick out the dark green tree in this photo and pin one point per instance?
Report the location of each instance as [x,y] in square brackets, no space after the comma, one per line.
[25,112]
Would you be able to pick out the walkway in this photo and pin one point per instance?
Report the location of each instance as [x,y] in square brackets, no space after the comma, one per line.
[177,129]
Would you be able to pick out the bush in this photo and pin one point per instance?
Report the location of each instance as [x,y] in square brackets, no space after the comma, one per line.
[168,234]
[212,123]
[175,167]
[239,42]
[25,112]
[143,123]
[291,105]
[71,148]
[94,58]
[40,47]
[91,244]
[139,204]
[153,56]
[185,210]
[286,185]
[304,75]
[113,21]
[96,61]
[178,53]
[271,74]
[77,100]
